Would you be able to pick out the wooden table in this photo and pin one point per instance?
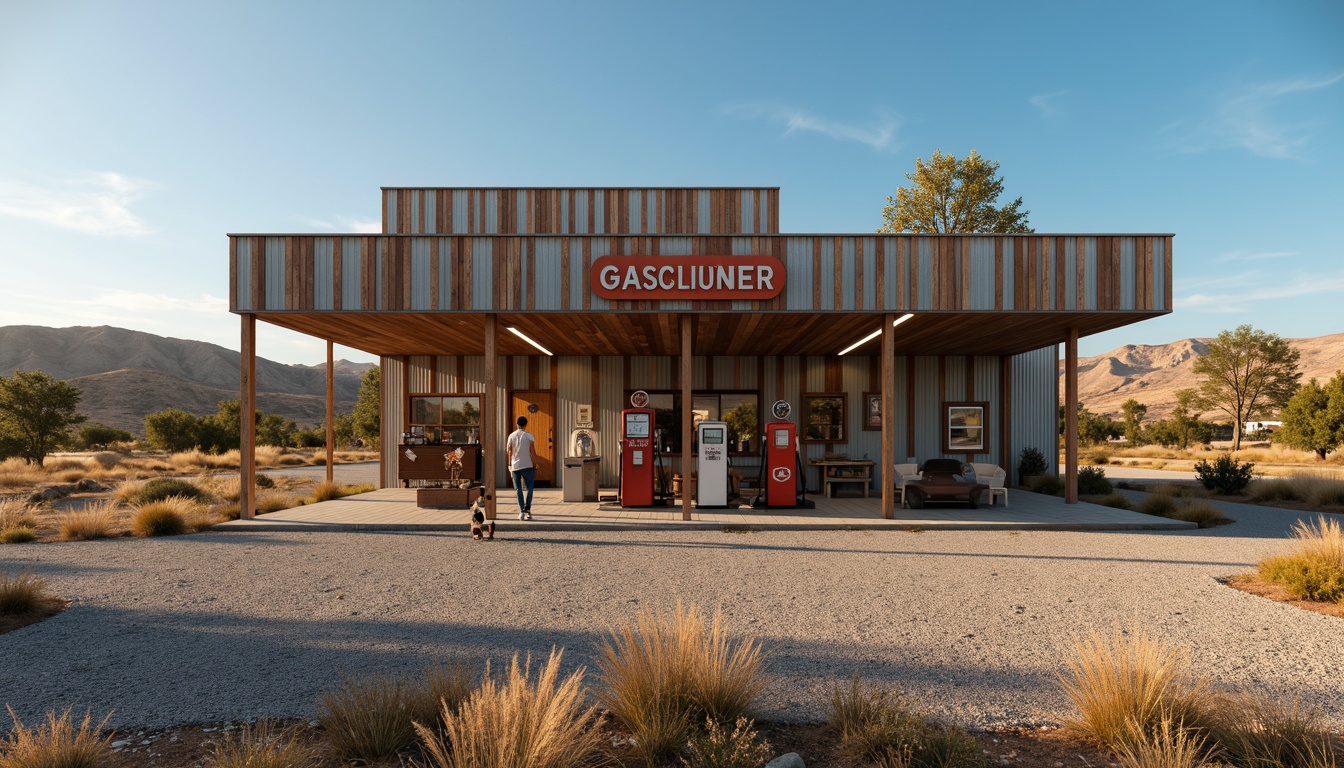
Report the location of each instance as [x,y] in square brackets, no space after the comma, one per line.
[839,472]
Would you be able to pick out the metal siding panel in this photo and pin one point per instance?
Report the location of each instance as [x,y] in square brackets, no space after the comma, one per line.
[798,262]
[1090,277]
[461,224]
[418,378]
[870,272]
[928,404]
[414,201]
[324,274]
[699,374]
[862,444]
[889,276]
[748,211]
[549,287]
[987,390]
[956,378]
[982,273]
[599,248]
[578,278]
[379,257]
[393,417]
[391,197]
[420,284]
[1126,273]
[445,273]
[1035,396]
[827,276]
[633,206]
[564,215]
[651,210]
[431,211]
[1009,272]
[491,205]
[351,280]
[482,278]
[520,211]
[702,210]
[611,400]
[582,202]
[599,212]
[275,273]
[1070,273]
[901,416]
[1159,273]
[848,287]
[243,300]
[925,272]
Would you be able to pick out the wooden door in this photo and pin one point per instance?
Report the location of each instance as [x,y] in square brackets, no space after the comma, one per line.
[539,408]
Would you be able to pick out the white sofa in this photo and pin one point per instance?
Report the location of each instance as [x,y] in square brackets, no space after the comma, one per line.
[902,474]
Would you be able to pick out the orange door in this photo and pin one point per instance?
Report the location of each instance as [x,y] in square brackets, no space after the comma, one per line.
[539,408]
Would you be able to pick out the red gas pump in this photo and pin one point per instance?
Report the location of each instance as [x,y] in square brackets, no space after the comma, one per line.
[781,464]
[637,457]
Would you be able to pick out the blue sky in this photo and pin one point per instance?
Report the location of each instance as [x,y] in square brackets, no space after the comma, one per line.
[134,135]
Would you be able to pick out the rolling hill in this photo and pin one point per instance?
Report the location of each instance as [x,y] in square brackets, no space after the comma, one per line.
[125,375]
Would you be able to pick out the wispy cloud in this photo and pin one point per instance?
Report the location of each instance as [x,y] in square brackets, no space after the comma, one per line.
[1251,118]
[1045,102]
[878,134]
[1259,256]
[347,224]
[92,203]
[1250,289]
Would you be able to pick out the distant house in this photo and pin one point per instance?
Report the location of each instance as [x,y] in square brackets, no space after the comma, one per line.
[1262,426]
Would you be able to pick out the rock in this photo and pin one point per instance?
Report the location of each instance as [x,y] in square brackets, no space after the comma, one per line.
[121,743]
[89,485]
[51,493]
[791,760]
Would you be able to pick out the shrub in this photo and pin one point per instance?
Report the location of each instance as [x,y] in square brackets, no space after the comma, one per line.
[372,718]
[1092,481]
[1314,568]
[107,459]
[22,593]
[1126,686]
[517,721]
[1206,515]
[162,518]
[94,521]
[264,481]
[16,513]
[718,748]
[20,534]
[662,673]
[56,743]
[161,488]
[1264,732]
[1225,475]
[1275,489]
[262,745]
[1030,462]
[1158,504]
[1050,485]
[1099,459]
[274,501]
[874,724]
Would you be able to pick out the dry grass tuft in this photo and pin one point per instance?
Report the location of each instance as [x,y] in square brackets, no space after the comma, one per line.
[166,517]
[329,491]
[875,725]
[662,673]
[21,594]
[105,459]
[274,501]
[56,743]
[1202,513]
[718,747]
[1168,746]
[1267,732]
[262,745]
[291,460]
[94,521]
[517,722]
[1314,568]
[1124,687]
[17,513]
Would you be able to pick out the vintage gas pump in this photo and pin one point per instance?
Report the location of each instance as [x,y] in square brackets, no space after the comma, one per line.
[781,459]
[637,457]
[711,464]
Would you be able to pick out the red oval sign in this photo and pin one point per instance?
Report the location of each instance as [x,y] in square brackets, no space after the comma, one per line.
[651,278]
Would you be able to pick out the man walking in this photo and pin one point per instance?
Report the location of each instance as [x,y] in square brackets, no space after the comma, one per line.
[521,452]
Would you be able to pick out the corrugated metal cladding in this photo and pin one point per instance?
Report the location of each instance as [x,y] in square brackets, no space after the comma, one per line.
[581,211]
[393,417]
[825,272]
[1035,414]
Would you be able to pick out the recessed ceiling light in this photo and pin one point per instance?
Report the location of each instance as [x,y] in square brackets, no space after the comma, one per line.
[874,334]
[520,335]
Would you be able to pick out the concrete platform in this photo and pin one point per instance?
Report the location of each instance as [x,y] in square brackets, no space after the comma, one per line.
[394,509]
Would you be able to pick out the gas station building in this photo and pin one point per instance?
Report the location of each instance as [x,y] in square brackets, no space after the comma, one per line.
[562,305]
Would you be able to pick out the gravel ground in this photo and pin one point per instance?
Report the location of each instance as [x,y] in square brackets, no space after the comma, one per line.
[974,625]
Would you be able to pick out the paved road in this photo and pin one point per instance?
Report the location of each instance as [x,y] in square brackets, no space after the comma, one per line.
[974,625]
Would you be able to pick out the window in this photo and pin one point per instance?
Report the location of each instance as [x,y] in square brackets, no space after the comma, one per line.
[825,415]
[966,430]
[444,418]
[739,409]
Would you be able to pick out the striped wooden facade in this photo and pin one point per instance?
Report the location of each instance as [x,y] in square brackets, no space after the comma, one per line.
[514,211]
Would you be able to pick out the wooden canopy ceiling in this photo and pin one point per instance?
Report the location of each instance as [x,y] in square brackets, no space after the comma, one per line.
[714,333]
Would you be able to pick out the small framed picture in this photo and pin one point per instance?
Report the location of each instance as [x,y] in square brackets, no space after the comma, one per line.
[583,416]
[872,411]
[966,429]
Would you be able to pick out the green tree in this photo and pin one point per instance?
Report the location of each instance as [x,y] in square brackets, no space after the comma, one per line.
[36,413]
[1184,428]
[1093,428]
[274,429]
[368,407]
[1247,374]
[344,427]
[1313,420]
[93,436]
[173,430]
[951,195]
[1133,411]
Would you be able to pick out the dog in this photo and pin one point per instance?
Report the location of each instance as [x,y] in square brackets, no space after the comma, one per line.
[480,527]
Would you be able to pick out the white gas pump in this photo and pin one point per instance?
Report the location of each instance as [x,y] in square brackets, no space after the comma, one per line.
[711,464]
[581,465]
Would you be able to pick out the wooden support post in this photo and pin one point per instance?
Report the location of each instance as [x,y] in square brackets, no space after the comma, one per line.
[1071,417]
[888,416]
[331,411]
[247,414]
[687,462]
[489,426]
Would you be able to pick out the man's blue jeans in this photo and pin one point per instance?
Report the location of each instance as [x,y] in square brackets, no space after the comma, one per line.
[523,477]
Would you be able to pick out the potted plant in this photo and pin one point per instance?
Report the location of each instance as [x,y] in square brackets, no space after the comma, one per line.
[1030,465]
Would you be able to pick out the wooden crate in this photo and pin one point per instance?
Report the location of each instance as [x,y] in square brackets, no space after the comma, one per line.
[446,498]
